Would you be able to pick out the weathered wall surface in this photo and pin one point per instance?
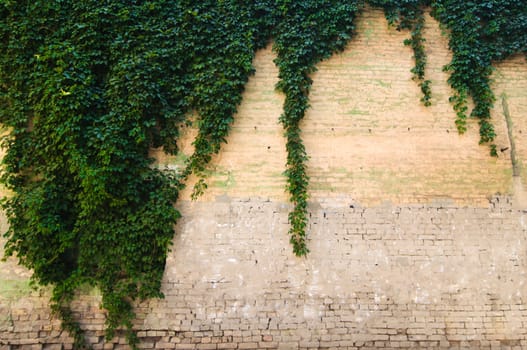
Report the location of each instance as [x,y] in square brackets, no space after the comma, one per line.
[433,276]
[418,238]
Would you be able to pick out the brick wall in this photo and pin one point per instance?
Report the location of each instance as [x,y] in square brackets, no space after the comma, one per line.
[417,236]
[435,276]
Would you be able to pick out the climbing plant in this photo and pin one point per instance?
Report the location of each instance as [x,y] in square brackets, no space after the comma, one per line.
[221,38]
[88,88]
[481,32]
[409,15]
[308,32]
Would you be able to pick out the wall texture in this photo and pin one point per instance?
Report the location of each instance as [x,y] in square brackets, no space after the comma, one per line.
[418,238]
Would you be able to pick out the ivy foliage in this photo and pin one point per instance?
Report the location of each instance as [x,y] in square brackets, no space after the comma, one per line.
[87,88]
[221,38]
[409,15]
[481,32]
[308,32]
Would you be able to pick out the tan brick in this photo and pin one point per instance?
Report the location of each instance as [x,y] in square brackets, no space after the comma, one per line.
[267,345]
[185,346]
[267,338]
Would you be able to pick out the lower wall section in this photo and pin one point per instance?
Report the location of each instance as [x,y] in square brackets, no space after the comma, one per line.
[423,276]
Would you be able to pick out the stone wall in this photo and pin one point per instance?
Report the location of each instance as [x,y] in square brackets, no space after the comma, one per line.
[418,238]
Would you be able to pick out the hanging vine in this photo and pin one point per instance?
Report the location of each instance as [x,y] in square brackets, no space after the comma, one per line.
[308,32]
[222,37]
[480,32]
[84,87]
[409,15]
[88,88]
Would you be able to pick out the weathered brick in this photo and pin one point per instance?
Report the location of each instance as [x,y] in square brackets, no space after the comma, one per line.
[267,345]
[404,273]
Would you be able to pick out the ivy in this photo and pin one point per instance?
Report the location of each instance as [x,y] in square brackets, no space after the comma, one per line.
[409,15]
[223,37]
[308,32]
[480,32]
[88,88]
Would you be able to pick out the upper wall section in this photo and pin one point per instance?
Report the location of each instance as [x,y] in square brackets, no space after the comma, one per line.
[368,136]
